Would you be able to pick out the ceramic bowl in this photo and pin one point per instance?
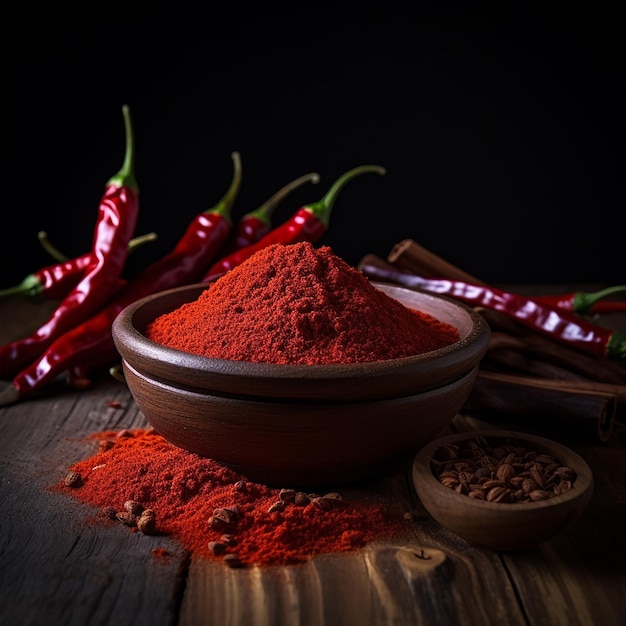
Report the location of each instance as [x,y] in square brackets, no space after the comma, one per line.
[300,424]
[509,524]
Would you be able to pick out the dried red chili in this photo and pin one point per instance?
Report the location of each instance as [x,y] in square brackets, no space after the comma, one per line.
[560,325]
[55,281]
[586,303]
[309,223]
[89,345]
[257,223]
[117,217]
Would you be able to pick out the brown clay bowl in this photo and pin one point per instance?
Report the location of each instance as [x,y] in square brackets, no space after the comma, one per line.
[300,424]
[503,526]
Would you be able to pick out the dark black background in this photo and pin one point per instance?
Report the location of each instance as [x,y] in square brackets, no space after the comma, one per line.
[501,130]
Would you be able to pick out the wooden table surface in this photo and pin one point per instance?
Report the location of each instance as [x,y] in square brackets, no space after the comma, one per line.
[57,569]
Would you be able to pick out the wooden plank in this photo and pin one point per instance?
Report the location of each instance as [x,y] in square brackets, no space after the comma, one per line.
[407,581]
[56,566]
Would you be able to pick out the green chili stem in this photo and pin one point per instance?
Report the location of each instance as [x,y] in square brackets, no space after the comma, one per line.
[29,286]
[224,206]
[583,302]
[323,207]
[126,176]
[264,212]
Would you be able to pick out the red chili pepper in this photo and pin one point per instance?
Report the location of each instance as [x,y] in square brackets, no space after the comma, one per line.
[308,223]
[560,325]
[90,344]
[117,217]
[256,224]
[586,303]
[54,282]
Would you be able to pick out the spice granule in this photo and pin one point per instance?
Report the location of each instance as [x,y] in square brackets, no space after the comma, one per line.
[297,304]
[184,490]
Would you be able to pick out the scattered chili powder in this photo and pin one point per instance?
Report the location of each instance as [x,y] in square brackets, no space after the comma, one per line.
[297,304]
[186,490]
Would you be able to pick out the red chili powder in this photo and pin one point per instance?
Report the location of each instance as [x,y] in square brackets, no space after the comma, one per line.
[184,490]
[298,304]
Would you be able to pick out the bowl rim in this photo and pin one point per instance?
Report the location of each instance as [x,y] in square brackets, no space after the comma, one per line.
[124,326]
[421,469]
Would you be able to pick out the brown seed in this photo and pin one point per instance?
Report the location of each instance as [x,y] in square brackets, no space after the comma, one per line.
[562,487]
[508,459]
[530,456]
[488,461]
[467,477]
[463,466]
[536,475]
[528,485]
[322,503]
[493,483]
[233,560]
[279,505]
[301,499]
[505,496]
[217,547]
[73,479]
[288,495]
[494,493]
[505,472]
[544,459]
[126,518]
[104,445]
[519,494]
[448,452]
[539,494]
[565,473]
[234,512]
[483,472]
[334,497]
[134,507]
[108,512]
[146,524]
[220,519]
[479,494]
[449,482]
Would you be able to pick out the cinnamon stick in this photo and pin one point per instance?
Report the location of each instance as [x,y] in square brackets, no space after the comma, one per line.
[541,403]
[503,355]
[576,384]
[410,255]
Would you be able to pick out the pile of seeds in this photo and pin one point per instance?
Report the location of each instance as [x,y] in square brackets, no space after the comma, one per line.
[501,473]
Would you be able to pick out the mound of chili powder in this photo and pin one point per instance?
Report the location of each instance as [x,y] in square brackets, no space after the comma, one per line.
[297,304]
[186,492]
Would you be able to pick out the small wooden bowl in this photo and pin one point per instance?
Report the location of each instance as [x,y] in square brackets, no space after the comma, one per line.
[297,424]
[501,526]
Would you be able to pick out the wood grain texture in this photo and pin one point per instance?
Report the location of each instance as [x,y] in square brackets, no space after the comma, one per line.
[57,567]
